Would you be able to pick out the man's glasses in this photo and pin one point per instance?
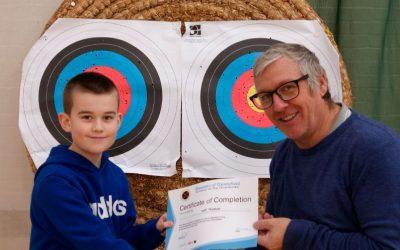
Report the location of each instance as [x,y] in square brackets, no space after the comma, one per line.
[286,92]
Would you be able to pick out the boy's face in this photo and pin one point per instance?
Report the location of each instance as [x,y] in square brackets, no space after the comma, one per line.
[93,123]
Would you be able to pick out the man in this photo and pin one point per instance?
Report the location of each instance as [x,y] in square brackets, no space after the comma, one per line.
[335,180]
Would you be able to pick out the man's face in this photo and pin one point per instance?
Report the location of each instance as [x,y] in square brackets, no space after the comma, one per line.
[299,118]
[93,122]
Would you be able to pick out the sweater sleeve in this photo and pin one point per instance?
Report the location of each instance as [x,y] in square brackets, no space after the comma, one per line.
[272,166]
[375,193]
[72,218]
[270,198]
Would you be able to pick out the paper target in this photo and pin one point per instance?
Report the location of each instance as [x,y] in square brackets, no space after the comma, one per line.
[226,107]
[130,70]
[224,135]
[140,69]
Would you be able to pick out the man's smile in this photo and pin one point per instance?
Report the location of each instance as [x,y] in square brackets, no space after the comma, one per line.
[288,118]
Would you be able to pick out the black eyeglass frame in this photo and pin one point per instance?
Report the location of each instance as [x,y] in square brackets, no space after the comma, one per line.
[271,93]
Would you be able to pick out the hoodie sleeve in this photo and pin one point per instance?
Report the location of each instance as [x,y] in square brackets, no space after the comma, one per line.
[140,236]
[143,236]
[71,217]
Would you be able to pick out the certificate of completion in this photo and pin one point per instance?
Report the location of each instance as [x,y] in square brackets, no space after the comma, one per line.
[217,214]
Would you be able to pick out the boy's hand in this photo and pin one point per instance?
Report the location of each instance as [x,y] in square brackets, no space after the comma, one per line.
[162,223]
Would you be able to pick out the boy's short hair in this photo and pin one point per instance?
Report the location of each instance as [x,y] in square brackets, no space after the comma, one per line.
[90,82]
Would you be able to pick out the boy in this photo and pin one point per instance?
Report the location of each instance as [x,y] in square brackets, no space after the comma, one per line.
[80,199]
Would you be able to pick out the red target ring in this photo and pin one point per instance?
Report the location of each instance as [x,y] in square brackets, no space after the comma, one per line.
[242,105]
[120,82]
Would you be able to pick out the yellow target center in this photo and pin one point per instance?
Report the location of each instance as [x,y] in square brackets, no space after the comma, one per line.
[251,92]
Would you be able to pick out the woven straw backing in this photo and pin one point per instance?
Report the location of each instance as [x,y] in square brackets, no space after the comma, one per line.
[150,192]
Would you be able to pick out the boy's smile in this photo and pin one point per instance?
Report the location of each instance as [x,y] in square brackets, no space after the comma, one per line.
[93,123]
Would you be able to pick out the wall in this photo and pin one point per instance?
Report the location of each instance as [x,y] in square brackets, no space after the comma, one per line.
[367,33]
[21,23]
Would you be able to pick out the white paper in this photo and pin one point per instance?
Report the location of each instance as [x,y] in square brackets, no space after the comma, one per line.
[217,214]
[160,149]
[203,154]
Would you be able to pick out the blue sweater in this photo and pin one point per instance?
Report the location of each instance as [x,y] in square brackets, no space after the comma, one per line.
[76,205]
[344,193]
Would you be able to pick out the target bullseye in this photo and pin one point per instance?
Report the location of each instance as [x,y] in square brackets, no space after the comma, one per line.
[251,92]
[242,89]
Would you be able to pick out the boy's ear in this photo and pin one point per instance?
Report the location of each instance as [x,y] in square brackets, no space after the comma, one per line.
[65,121]
[119,118]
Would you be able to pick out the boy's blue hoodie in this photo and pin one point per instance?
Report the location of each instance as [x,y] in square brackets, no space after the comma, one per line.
[76,205]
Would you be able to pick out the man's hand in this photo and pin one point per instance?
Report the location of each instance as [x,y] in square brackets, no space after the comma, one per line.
[162,223]
[271,231]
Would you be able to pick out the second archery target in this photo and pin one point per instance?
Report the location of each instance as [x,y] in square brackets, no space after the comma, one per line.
[224,135]
[226,106]
[142,72]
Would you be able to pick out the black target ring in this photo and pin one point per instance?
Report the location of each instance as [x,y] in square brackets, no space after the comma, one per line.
[135,56]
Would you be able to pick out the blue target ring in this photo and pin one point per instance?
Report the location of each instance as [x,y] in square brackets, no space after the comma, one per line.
[117,62]
[217,106]
[225,109]
[128,61]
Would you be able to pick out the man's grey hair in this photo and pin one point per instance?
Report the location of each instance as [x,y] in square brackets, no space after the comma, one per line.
[306,59]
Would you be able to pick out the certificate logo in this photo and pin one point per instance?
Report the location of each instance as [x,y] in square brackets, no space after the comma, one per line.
[185,195]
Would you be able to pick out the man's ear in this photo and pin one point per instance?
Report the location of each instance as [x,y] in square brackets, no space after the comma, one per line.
[323,81]
[65,121]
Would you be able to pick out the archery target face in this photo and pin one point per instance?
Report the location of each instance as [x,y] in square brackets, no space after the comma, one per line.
[131,72]
[226,106]
[141,71]
[218,116]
